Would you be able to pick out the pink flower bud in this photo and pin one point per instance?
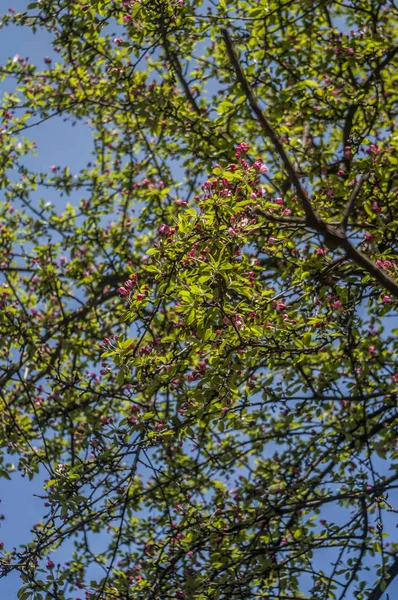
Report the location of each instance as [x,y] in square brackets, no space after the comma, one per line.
[336,305]
[123,292]
[164,229]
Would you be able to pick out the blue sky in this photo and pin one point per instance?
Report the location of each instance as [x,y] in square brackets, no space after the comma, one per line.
[61,144]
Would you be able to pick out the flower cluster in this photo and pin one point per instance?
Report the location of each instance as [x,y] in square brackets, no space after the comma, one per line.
[128,285]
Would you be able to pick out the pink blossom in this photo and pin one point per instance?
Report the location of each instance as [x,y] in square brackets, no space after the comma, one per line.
[130,282]
[260,166]
[386,299]
[369,236]
[245,164]
[336,304]
[373,149]
[164,229]
[123,292]
[239,321]
[243,147]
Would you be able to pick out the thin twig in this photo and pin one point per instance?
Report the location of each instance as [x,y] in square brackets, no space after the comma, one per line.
[351,200]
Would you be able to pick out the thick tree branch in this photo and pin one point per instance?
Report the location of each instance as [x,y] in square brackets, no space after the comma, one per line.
[381,587]
[335,237]
[363,261]
[312,218]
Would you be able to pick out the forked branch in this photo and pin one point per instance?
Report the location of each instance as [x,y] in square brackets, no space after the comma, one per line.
[335,237]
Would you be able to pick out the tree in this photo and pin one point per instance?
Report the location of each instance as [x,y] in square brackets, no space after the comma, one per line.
[198,352]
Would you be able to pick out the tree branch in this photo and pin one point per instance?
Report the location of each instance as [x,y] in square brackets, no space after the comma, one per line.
[335,237]
[351,201]
[390,575]
[312,217]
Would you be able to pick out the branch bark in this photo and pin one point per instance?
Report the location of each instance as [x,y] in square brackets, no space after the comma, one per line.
[312,218]
[390,575]
[335,237]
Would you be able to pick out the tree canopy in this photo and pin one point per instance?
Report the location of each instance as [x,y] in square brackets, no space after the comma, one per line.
[199,334]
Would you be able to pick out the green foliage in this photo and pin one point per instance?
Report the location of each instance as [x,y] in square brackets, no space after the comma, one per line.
[199,344]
